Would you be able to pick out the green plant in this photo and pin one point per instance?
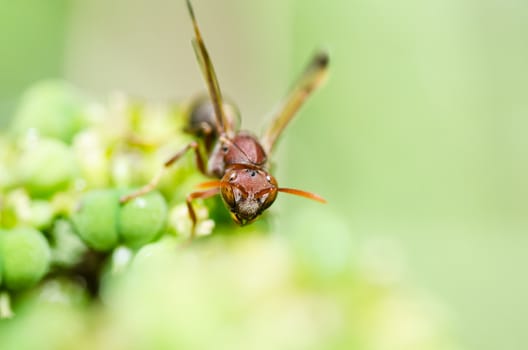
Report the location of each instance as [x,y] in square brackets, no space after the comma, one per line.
[84,271]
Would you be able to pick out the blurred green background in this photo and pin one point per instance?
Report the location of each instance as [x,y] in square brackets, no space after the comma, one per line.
[419,137]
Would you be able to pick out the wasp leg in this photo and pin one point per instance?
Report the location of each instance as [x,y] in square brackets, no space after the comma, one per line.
[192,214]
[156,179]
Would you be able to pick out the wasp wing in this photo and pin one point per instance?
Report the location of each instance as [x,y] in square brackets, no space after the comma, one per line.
[209,74]
[312,77]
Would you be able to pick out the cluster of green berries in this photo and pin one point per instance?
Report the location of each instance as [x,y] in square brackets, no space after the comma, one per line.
[65,162]
[66,240]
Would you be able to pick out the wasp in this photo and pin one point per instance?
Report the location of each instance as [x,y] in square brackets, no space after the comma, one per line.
[236,159]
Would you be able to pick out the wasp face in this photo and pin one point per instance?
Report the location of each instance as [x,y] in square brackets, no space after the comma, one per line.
[247,192]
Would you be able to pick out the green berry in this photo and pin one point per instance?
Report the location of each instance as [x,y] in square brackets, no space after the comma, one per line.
[67,248]
[25,256]
[41,214]
[51,108]
[143,219]
[46,166]
[95,220]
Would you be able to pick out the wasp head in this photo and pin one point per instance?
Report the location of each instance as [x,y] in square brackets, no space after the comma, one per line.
[247,191]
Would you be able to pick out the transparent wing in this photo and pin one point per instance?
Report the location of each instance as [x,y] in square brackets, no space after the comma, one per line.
[312,77]
[209,75]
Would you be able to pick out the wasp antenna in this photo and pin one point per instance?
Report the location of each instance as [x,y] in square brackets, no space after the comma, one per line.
[209,184]
[302,193]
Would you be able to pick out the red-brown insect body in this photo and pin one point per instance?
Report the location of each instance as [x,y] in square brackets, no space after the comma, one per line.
[243,148]
[247,191]
[246,187]
[237,159]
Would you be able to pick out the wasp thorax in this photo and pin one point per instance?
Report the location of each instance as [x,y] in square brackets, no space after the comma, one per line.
[247,192]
